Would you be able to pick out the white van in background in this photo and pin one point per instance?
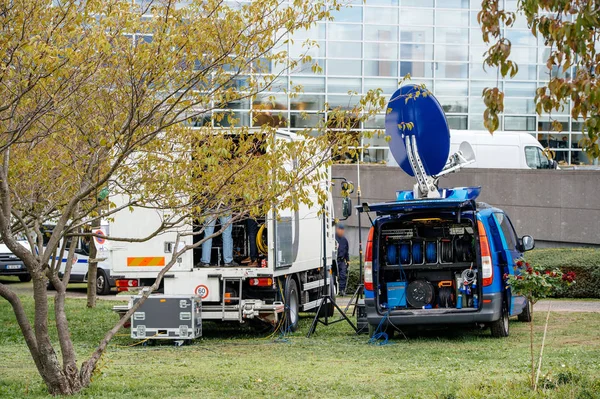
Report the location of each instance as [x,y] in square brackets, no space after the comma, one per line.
[502,150]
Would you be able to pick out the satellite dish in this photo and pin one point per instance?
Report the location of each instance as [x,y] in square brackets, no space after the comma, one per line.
[429,136]
[466,151]
[463,157]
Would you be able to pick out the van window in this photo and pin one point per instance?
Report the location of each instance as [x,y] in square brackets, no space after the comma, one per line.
[535,158]
[507,230]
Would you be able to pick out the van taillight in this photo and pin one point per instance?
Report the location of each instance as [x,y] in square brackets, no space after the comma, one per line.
[486,256]
[369,261]
[125,284]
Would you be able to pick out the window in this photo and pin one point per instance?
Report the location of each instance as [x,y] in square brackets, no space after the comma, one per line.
[344,32]
[507,230]
[381,33]
[457,122]
[519,123]
[381,68]
[382,51]
[344,49]
[535,158]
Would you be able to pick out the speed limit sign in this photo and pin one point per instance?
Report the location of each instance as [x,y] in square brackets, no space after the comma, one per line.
[202,291]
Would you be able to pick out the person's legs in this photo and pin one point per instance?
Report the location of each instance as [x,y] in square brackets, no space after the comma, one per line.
[209,229]
[343,275]
[252,226]
[227,239]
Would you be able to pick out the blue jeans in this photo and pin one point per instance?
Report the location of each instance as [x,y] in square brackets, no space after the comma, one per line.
[209,229]
[342,274]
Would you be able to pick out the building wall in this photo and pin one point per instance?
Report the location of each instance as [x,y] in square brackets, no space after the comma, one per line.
[556,207]
[376,43]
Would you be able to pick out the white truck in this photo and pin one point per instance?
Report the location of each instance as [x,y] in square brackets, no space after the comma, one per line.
[290,276]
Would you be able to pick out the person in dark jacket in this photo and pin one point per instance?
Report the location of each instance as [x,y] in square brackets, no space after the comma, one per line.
[343,257]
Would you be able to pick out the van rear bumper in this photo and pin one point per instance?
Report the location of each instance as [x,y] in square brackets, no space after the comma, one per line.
[489,312]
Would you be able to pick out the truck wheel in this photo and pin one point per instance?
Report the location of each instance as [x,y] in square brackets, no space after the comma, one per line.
[499,328]
[292,302]
[50,286]
[102,283]
[525,315]
[24,278]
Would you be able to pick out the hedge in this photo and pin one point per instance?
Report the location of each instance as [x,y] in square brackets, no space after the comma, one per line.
[585,262]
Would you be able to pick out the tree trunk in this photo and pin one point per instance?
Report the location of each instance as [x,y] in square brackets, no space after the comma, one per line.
[93,268]
[91,278]
[58,380]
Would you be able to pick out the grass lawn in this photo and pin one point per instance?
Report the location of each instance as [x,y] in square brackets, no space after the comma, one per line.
[229,362]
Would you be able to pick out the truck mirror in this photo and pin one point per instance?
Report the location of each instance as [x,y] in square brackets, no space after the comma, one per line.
[527,243]
[346,207]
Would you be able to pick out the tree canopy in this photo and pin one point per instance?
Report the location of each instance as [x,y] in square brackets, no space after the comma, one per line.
[111,94]
[570,29]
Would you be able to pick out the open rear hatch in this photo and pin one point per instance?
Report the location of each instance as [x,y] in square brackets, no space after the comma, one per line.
[427,253]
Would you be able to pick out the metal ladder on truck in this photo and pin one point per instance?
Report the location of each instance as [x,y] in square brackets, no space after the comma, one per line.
[230,299]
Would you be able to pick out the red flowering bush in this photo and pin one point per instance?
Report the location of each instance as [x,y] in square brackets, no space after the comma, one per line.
[534,282]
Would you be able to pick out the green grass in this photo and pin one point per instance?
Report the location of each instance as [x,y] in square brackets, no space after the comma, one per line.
[233,362]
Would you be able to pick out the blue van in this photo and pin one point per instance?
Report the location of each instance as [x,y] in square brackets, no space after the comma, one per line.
[441,261]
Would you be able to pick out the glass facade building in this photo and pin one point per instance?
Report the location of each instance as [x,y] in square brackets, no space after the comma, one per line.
[439,43]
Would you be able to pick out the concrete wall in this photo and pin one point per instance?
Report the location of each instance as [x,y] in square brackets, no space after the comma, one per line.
[556,207]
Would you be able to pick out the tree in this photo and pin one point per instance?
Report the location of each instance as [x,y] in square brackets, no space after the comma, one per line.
[88,106]
[571,29]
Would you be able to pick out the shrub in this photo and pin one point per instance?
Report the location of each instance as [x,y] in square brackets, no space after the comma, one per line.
[584,262]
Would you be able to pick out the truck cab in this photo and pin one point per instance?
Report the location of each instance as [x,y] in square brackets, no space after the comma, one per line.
[442,261]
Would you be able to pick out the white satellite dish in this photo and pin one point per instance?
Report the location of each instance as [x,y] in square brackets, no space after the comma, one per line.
[463,157]
[466,151]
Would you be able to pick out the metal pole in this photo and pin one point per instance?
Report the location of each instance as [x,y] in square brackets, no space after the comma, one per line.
[360,251]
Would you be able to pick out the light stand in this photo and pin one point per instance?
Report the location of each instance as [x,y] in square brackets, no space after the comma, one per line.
[358,293]
[325,298]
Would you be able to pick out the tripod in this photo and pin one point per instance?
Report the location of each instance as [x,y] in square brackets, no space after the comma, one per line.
[325,297]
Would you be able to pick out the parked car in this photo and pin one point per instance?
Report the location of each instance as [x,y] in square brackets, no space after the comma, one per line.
[11,265]
[79,271]
[442,261]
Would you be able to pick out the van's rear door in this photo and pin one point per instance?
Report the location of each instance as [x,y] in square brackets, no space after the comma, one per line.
[397,207]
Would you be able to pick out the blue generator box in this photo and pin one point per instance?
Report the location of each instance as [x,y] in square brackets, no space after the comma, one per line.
[396,294]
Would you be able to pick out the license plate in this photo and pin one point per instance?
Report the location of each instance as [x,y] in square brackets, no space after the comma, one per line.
[11,267]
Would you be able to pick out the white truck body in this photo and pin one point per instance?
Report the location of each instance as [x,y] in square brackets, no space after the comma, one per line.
[502,150]
[295,250]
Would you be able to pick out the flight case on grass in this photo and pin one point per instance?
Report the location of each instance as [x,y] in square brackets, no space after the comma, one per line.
[174,317]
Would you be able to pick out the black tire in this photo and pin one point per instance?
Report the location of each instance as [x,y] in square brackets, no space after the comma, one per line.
[500,328]
[102,283]
[24,278]
[50,286]
[292,305]
[525,315]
